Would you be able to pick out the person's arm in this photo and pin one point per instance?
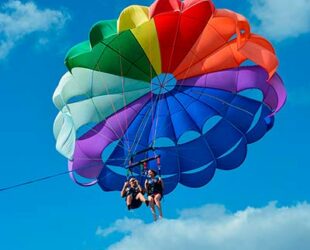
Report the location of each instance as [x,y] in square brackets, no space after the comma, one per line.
[123,192]
[139,187]
[146,186]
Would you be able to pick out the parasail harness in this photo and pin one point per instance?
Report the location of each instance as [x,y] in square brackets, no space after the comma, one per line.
[143,164]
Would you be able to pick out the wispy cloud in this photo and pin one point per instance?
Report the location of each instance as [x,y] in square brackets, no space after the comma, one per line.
[18,20]
[281,19]
[212,227]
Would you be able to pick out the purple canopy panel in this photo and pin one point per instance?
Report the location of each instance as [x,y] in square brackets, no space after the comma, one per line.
[87,160]
[242,78]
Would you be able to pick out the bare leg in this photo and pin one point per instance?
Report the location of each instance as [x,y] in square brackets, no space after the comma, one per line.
[158,204]
[152,206]
[140,197]
[128,200]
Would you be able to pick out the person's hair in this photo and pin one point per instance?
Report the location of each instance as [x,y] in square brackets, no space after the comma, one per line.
[153,171]
[132,179]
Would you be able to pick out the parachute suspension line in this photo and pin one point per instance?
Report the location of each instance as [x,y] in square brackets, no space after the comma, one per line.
[161,97]
[149,114]
[152,103]
[97,110]
[143,124]
[164,80]
[141,135]
[157,99]
[143,164]
[91,128]
[223,117]
[145,120]
[144,168]
[157,157]
[158,165]
[143,171]
[135,141]
[124,141]
[224,102]
[122,75]
[124,98]
[129,173]
[111,101]
[141,127]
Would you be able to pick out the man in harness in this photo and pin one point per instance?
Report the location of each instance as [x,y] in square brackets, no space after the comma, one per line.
[154,187]
[133,193]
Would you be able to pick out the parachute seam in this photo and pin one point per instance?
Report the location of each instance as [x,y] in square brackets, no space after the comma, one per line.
[187,114]
[125,58]
[212,52]
[224,117]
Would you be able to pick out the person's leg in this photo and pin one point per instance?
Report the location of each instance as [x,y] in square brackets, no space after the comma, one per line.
[128,201]
[152,206]
[141,197]
[157,199]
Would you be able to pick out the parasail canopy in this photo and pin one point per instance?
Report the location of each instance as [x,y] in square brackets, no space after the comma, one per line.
[171,77]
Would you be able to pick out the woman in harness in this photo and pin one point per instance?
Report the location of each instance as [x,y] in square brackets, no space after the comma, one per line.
[133,193]
[154,187]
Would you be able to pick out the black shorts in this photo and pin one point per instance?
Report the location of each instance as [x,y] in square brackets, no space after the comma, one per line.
[154,194]
[135,203]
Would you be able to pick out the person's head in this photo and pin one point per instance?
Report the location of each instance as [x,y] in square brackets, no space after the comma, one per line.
[132,181]
[152,173]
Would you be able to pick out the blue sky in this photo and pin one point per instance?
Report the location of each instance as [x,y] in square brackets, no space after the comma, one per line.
[271,190]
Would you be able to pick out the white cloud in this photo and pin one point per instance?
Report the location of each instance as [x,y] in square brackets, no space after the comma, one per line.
[212,227]
[17,20]
[281,19]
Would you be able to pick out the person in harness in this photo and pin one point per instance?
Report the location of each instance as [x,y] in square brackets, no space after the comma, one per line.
[133,193]
[154,187]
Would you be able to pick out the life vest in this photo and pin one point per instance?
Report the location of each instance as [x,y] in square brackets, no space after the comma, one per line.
[154,186]
[132,191]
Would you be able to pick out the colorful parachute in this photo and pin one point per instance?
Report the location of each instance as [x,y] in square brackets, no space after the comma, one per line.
[169,77]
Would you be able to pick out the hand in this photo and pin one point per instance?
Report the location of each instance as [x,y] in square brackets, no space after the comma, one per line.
[126,184]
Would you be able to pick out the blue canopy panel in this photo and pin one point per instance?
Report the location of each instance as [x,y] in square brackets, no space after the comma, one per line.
[248,115]
[108,180]
[162,124]
[223,146]
[138,131]
[264,124]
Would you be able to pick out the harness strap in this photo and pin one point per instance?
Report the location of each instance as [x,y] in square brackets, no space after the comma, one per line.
[158,165]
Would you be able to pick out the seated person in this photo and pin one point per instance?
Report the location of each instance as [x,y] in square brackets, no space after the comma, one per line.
[154,187]
[133,193]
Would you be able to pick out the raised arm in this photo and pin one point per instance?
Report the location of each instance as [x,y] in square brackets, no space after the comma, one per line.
[146,186]
[123,192]
[139,187]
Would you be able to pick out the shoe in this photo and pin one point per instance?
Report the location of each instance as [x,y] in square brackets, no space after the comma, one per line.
[129,207]
[147,203]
